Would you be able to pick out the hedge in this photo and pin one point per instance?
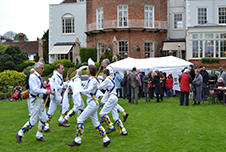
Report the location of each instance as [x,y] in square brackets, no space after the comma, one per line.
[87,53]
[48,69]
[22,66]
[210,60]
[65,62]
[26,71]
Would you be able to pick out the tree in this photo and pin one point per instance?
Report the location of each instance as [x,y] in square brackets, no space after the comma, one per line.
[3,47]
[11,56]
[45,39]
[10,35]
[16,37]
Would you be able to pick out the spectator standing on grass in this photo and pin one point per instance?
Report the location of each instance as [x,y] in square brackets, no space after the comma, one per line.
[197,95]
[118,80]
[219,93]
[192,74]
[169,86]
[140,76]
[134,83]
[222,74]
[185,80]
[156,81]
[213,77]
[161,79]
[205,76]
[128,88]
[147,86]
[124,84]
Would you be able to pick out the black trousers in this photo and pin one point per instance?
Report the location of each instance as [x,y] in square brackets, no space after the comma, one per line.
[182,96]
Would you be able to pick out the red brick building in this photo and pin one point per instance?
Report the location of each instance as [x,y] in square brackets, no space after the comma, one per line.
[134,23]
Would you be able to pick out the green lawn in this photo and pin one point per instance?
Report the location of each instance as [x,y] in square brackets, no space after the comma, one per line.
[163,126]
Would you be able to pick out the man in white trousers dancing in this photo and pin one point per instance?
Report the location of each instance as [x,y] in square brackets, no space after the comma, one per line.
[57,98]
[36,92]
[111,104]
[105,64]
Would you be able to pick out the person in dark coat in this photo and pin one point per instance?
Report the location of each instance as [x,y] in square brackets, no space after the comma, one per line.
[205,77]
[161,79]
[220,83]
[197,95]
[124,84]
[128,88]
[192,74]
[146,86]
[156,81]
[185,80]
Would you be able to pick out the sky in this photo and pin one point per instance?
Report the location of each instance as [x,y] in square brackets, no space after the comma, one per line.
[30,17]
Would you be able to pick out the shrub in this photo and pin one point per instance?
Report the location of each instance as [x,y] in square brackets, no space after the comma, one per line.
[83,72]
[29,61]
[84,63]
[5,95]
[210,60]
[97,64]
[26,71]
[78,66]
[11,78]
[65,62]
[73,74]
[87,53]
[22,66]
[107,54]
[48,70]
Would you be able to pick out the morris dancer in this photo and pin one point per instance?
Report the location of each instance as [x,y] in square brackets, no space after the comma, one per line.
[111,105]
[90,90]
[55,101]
[36,92]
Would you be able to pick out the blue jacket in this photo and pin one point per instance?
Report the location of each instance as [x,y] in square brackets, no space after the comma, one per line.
[118,80]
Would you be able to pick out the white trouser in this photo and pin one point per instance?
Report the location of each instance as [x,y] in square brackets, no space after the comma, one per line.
[52,108]
[110,106]
[36,111]
[29,106]
[90,111]
[75,109]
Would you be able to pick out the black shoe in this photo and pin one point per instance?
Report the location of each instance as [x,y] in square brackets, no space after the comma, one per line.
[41,139]
[125,118]
[124,134]
[198,103]
[110,130]
[106,143]
[18,138]
[194,103]
[48,130]
[181,104]
[74,144]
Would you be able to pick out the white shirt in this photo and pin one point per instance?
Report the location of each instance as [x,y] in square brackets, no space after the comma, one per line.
[35,83]
[108,84]
[90,87]
[59,81]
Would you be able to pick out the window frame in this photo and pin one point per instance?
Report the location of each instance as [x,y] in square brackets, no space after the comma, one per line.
[98,50]
[218,14]
[127,46]
[118,21]
[97,17]
[63,24]
[197,14]
[153,16]
[151,53]
[181,21]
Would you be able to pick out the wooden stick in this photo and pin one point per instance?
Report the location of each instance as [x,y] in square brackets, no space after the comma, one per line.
[98,72]
[45,103]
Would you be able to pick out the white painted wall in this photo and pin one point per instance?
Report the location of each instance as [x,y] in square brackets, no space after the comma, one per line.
[56,11]
[176,7]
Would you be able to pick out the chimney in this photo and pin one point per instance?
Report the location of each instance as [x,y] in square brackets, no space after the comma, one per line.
[21,37]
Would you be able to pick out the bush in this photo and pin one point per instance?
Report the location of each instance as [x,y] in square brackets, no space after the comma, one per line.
[107,54]
[65,62]
[3,95]
[48,69]
[210,60]
[97,64]
[84,64]
[26,71]
[22,66]
[78,66]
[11,78]
[29,61]
[87,53]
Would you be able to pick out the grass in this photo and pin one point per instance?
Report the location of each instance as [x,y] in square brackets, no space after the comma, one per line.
[159,127]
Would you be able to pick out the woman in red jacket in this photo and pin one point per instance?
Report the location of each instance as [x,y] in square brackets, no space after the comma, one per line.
[169,86]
